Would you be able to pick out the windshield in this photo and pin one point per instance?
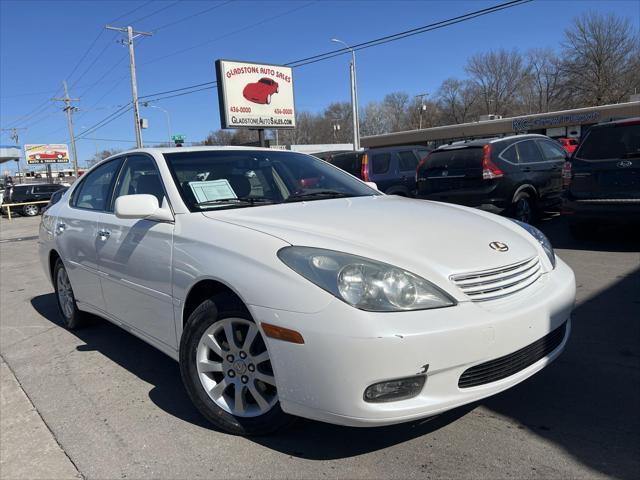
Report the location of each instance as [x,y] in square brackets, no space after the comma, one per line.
[237,178]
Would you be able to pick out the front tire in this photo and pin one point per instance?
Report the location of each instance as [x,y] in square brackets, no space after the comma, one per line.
[71,316]
[30,210]
[226,369]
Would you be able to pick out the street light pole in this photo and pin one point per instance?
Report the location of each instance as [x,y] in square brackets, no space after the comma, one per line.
[146,104]
[354,96]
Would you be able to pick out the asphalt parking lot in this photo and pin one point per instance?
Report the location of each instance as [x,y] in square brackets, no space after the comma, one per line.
[117,407]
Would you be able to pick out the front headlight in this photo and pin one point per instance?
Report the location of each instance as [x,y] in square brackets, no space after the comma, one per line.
[542,240]
[363,283]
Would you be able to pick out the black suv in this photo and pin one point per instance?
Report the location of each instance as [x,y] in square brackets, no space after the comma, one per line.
[519,175]
[392,169]
[31,193]
[603,176]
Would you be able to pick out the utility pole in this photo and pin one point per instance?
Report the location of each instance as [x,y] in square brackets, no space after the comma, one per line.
[131,36]
[70,109]
[15,136]
[422,107]
[354,95]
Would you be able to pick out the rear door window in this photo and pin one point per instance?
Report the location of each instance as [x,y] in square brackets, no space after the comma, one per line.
[621,141]
[528,152]
[551,151]
[408,161]
[380,163]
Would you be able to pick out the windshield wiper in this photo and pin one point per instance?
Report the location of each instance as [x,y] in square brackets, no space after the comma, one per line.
[235,201]
[300,197]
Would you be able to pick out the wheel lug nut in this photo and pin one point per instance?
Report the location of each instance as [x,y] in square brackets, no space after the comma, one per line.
[244,379]
[231,373]
[251,367]
[243,355]
[230,358]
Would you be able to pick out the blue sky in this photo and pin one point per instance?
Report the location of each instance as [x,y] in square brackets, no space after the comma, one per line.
[41,42]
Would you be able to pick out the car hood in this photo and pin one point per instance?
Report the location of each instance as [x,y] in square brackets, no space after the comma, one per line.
[423,237]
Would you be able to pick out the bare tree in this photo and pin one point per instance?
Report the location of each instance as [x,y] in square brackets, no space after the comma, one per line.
[395,109]
[543,79]
[498,76]
[219,137]
[457,99]
[98,157]
[601,63]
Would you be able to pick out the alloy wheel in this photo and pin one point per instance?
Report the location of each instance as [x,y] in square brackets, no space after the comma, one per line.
[65,294]
[234,368]
[31,210]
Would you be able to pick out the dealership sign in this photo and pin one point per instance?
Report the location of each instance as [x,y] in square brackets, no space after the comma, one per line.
[255,95]
[520,124]
[49,153]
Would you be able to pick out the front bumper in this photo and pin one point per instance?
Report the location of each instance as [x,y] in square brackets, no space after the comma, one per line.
[346,350]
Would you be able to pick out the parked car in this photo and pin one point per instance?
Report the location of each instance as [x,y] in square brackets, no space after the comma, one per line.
[602,178]
[330,303]
[519,175]
[392,169]
[569,144]
[261,91]
[31,192]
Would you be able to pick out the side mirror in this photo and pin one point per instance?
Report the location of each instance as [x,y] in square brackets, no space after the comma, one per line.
[373,185]
[142,207]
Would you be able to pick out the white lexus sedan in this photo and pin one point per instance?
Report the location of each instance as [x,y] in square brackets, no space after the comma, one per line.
[286,287]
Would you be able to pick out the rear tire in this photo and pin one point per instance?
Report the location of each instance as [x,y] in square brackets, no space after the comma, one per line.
[222,377]
[72,318]
[523,208]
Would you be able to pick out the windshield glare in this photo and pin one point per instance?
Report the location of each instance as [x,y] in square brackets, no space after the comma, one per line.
[219,179]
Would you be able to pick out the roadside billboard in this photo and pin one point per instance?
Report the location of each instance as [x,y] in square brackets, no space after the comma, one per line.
[49,153]
[255,95]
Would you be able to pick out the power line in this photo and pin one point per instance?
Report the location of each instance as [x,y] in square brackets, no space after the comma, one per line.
[327,55]
[105,121]
[138,20]
[201,12]
[130,12]
[274,17]
[372,43]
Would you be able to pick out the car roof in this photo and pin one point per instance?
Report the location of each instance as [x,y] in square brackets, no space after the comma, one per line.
[479,142]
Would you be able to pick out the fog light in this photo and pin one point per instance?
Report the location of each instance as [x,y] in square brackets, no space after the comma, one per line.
[393,390]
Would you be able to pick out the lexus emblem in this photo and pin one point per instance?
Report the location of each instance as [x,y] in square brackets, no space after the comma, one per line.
[499,246]
[624,163]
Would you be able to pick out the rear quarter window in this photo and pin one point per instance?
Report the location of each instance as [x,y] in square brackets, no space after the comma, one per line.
[349,163]
[408,160]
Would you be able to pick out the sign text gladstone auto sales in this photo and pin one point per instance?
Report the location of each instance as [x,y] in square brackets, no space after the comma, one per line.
[255,95]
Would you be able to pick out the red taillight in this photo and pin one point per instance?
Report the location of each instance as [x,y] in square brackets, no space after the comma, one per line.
[364,173]
[566,174]
[421,164]
[489,169]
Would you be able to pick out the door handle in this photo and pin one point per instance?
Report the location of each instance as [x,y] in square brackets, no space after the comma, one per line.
[526,170]
[104,234]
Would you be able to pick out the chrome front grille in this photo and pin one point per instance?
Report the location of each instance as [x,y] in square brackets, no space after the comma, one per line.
[498,282]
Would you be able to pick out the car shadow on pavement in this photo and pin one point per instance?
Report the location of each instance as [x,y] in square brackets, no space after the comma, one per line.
[615,237]
[587,401]
[305,439]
